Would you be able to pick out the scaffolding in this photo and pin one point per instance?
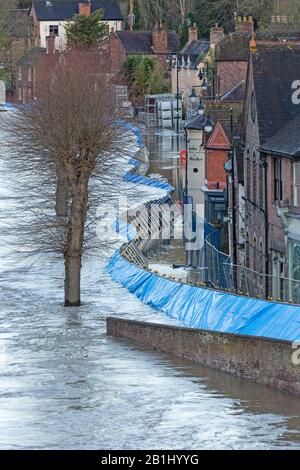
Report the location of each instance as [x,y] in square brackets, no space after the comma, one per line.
[161,110]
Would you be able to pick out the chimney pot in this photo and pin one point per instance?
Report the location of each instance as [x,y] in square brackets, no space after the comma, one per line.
[85,8]
[244,24]
[216,35]
[193,33]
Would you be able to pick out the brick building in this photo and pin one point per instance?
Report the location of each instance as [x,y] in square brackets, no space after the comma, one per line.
[271,153]
[190,60]
[18,27]
[50,18]
[232,52]
[124,43]
[27,68]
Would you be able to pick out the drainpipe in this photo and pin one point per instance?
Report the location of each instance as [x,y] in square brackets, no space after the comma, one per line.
[234,238]
[266,227]
[185,195]
[177,100]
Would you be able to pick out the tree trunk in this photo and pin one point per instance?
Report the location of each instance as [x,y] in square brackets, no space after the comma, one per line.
[62,194]
[74,244]
[72,281]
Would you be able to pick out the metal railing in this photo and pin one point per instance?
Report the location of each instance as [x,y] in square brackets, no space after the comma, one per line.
[255,284]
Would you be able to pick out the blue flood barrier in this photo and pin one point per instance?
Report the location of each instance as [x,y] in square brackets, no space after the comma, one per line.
[140,179]
[134,129]
[208,309]
[198,307]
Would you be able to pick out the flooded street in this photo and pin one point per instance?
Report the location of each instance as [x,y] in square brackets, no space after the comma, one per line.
[65,385]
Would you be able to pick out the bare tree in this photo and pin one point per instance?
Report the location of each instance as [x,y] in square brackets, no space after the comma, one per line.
[178,10]
[70,131]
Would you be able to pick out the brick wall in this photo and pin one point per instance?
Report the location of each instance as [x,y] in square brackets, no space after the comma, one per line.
[230,74]
[24,85]
[215,173]
[257,359]
[160,45]
[216,35]
[117,53]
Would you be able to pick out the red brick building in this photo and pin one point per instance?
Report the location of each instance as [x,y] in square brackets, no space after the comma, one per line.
[232,55]
[216,156]
[271,151]
[156,42]
[27,66]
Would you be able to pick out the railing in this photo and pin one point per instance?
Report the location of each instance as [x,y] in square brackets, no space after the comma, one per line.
[255,284]
[151,221]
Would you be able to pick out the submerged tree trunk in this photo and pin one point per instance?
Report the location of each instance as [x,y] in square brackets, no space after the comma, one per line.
[62,195]
[74,244]
[72,281]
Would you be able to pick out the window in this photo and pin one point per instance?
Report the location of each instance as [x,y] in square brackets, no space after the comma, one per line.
[261,256]
[254,178]
[261,185]
[248,174]
[29,74]
[20,95]
[254,247]
[277,180]
[53,30]
[19,73]
[253,107]
[296,182]
[247,251]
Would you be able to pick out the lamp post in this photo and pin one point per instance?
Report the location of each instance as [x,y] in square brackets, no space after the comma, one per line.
[208,126]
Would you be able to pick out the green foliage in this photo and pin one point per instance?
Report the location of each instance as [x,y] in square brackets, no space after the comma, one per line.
[87,31]
[143,75]
[156,82]
[5,7]
[210,12]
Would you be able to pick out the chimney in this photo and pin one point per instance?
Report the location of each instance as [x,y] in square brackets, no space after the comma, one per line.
[50,45]
[160,43]
[193,33]
[85,8]
[244,24]
[253,43]
[216,35]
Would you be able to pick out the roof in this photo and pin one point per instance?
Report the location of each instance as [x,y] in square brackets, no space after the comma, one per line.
[286,141]
[196,47]
[237,93]
[31,56]
[194,51]
[275,69]
[18,24]
[66,9]
[235,46]
[195,123]
[140,42]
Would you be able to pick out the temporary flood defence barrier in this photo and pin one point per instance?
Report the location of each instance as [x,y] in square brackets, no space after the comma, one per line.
[208,309]
[204,308]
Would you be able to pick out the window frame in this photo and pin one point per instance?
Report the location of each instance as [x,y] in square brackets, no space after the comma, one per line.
[278,180]
[56,26]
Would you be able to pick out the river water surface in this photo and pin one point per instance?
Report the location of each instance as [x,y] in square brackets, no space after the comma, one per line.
[65,385]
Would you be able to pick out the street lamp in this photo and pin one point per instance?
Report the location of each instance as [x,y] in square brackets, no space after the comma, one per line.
[208,125]
[193,96]
[201,108]
[204,85]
